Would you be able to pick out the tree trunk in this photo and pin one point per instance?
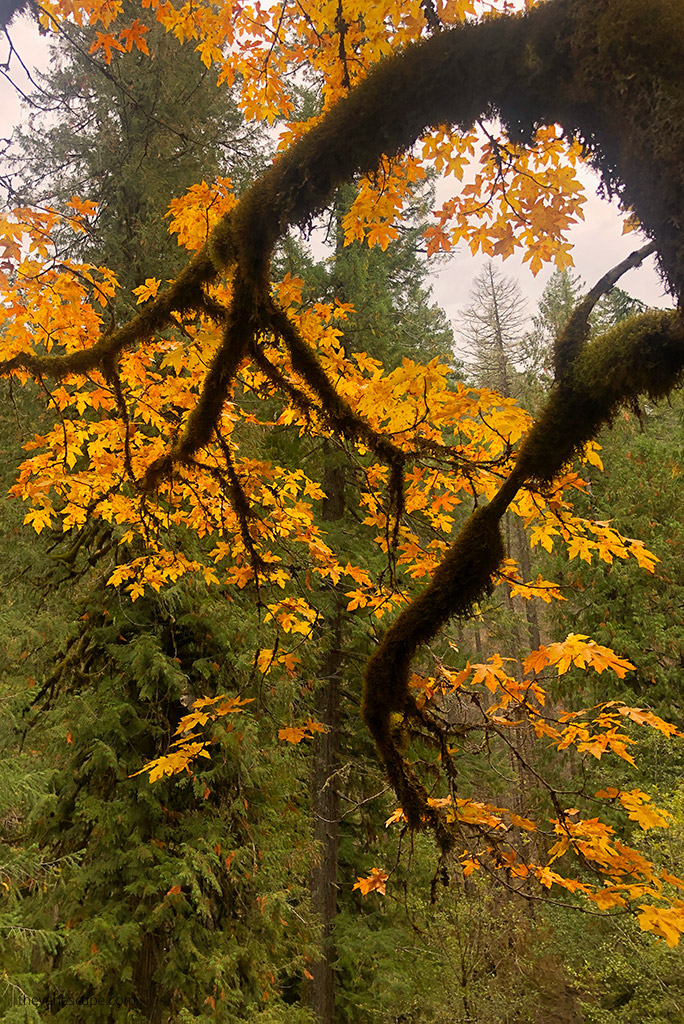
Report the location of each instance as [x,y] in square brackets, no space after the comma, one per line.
[325,798]
[522,554]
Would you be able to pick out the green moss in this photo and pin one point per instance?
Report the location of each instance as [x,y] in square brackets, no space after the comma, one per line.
[641,356]
[221,245]
[458,582]
[611,73]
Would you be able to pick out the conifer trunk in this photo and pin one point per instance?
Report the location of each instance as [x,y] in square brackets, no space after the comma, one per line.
[522,554]
[325,797]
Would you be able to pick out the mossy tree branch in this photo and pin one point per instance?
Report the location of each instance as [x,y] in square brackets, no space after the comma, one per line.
[585,64]
[609,72]
[644,355]
[576,331]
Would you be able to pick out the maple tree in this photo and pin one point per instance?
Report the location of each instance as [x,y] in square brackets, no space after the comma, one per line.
[151,414]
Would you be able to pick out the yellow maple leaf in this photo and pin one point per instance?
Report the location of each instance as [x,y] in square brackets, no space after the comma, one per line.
[609,793]
[672,879]
[38,518]
[84,207]
[289,660]
[148,290]
[578,650]
[469,864]
[525,823]
[665,922]
[607,898]
[591,454]
[642,717]
[134,35]
[645,558]
[264,659]
[316,726]
[642,811]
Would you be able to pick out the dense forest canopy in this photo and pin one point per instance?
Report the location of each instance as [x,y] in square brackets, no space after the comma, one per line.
[193,437]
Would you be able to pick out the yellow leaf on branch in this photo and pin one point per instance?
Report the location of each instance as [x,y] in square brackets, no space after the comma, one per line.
[148,290]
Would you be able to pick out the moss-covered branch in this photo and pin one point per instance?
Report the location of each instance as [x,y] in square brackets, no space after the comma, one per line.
[185,294]
[609,72]
[336,412]
[573,336]
[642,356]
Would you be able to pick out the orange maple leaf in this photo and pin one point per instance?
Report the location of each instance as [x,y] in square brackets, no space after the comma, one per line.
[107,43]
[293,733]
[134,36]
[375,882]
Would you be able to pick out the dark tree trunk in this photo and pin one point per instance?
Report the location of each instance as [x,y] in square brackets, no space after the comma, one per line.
[325,798]
[523,555]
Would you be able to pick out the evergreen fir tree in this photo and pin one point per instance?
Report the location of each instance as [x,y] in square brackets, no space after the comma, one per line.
[184,899]
[177,900]
[562,293]
[130,136]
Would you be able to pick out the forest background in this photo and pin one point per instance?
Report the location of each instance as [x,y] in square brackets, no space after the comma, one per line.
[266,884]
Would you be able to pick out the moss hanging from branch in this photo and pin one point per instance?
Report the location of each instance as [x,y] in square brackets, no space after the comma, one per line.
[643,355]
[610,73]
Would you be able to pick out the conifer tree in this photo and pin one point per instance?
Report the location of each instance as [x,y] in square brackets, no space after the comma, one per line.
[129,136]
[559,298]
[172,901]
[393,315]
[492,327]
[622,119]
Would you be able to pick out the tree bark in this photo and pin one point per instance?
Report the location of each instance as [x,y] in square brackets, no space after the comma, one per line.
[325,797]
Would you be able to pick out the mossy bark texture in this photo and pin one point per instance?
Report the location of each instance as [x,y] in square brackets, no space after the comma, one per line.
[611,72]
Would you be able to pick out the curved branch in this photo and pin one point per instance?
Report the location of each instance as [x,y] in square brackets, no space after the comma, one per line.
[576,331]
[339,415]
[531,69]
[184,294]
[241,327]
[610,73]
[645,355]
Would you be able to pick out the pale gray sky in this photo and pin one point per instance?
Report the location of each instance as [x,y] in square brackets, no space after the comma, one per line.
[598,245]
[32,48]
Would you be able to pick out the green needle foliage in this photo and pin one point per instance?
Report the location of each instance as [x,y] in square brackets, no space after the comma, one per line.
[125,901]
[178,900]
[129,136]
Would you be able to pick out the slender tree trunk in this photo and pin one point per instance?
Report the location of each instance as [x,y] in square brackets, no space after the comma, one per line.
[523,556]
[152,1001]
[503,383]
[325,801]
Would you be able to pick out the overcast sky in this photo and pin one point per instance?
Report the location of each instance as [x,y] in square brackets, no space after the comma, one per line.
[599,245]
[599,242]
